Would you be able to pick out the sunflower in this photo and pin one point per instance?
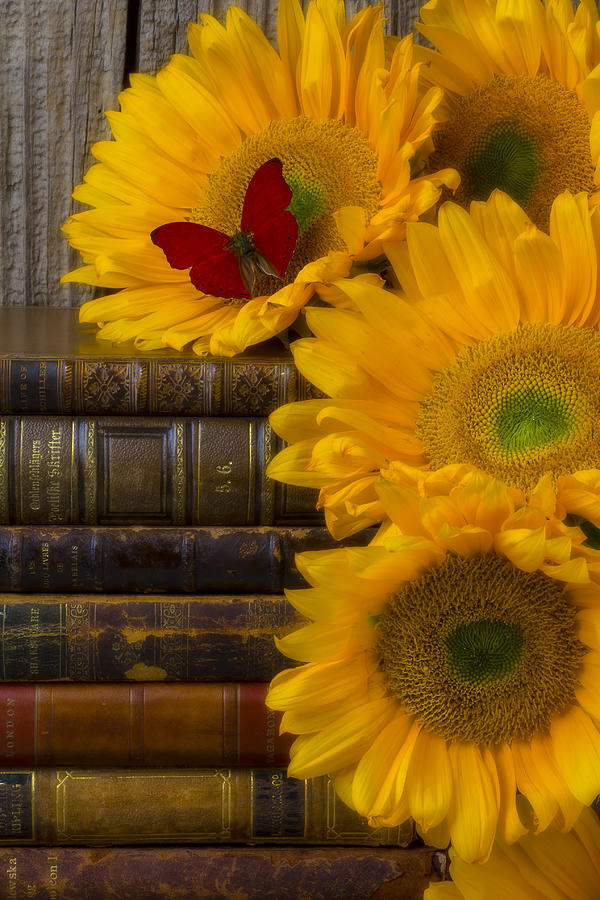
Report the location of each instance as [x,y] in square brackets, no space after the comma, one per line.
[549,866]
[448,667]
[188,142]
[522,99]
[490,357]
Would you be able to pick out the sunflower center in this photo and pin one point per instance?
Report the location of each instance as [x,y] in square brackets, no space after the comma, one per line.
[504,157]
[518,405]
[527,135]
[327,165]
[478,650]
[485,650]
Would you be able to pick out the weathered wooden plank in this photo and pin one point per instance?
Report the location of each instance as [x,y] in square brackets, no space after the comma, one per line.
[61,65]
[163,23]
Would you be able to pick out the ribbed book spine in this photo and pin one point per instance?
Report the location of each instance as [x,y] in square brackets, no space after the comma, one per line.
[149,386]
[50,364]
[116,637]
[156,559]
[57,470]
[179,806]
[145,724]
[215,873]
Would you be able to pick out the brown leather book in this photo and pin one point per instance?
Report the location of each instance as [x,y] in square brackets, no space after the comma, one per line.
[144,724]
[217,873]
[49,806]
[58,470]
[133,637]
[51,364]
[157,559]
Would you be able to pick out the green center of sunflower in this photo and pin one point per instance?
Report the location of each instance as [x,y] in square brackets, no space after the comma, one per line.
[504,157]
[526,135]
[518,405]
[531,418]
[327,165]
[485,650]
[478,650]
[308,201]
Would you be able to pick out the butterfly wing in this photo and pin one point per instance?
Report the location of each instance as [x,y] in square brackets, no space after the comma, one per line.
[220,276]
[276,240]
[214,268]
[185,243]
[274,229]
[267,196]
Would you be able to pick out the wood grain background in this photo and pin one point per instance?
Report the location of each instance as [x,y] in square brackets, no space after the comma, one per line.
[62,64]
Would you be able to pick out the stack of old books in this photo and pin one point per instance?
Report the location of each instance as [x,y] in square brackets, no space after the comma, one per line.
[143,559]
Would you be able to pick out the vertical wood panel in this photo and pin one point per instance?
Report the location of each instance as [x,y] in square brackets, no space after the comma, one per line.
[163,23]
[61,65]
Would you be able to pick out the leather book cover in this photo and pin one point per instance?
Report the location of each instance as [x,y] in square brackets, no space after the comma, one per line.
[133,637]
[157,559]
[47,806]
[216,873]
[142,724]
[51,364]
[59,470]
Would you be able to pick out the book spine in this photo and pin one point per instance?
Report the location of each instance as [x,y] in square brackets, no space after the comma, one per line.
[145,724]
[179,806]
[57,470]
[60,559]
[218,873]
[136,638]
[148,387]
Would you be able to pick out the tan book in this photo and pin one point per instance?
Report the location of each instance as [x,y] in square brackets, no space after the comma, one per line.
[179,806]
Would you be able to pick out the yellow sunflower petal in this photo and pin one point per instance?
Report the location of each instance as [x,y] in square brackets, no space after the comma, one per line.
[473,813]
[343,742]
[381,773]
[576,744]
[510,826]
[429,785]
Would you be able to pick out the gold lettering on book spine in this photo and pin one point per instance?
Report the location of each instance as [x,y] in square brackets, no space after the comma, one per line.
[4,498]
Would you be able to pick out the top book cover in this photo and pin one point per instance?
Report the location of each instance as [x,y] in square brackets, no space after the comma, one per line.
[51,364]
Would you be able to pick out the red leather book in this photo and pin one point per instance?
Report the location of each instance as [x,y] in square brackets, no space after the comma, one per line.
[143,724]
[214,873]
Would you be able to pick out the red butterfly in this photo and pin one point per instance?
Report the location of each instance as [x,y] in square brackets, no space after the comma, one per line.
[223,265]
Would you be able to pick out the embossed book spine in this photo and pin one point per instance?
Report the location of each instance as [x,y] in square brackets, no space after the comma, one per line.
[157,559]
[179,806]
[50,364]
[58,470]
[86,637]
[216,873]
[146,724]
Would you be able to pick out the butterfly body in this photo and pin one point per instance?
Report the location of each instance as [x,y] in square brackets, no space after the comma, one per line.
[224,265]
